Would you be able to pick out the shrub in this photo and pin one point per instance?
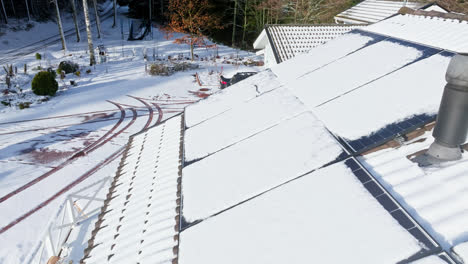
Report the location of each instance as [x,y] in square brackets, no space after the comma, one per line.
[68,67]
[159,69]
[24,105]
[183,66]
[51,71]
[44,83]
[38,56]
[88,71]
[78,73]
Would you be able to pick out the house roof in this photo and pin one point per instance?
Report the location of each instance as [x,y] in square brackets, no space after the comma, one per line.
[288,41]
[372,11]
[248,162]
[140,219]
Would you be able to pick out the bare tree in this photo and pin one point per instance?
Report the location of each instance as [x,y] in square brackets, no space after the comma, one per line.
[98,21]
[60,27]
[4,12]
[27,10]
[75,20]
[92,58]
[13,7]
[234,24]
[115,13]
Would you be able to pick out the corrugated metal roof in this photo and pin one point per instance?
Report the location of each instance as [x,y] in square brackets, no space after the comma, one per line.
[371,11]
[139,222]
[290,40]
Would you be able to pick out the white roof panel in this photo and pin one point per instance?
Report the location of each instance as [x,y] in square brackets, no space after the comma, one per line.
[449,34]
[292,148]
[325,217]
[139,221]
[241,122]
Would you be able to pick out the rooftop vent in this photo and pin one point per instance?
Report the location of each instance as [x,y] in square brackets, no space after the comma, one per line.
[451,127]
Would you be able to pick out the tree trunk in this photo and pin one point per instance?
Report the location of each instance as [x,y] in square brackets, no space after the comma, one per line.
[92,59]
[234,24]
[27,10]
[115,14]
[98,21]
[162,8]
[13,7]
[4,12]
[191,47]
[245,21]
[60,27]
[75,20]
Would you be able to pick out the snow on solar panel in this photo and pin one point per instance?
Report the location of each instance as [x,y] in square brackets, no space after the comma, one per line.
[390,106]
[241,122]
[139,223]
[325,54]
[303,220]
[292,148]
[432,31]
[357,70]
[230,97]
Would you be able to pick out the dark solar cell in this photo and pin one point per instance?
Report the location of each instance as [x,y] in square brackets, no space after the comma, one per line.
[352,164]
[362,175]
[403,219]
[387,203]
[389,132]
[419,235]
[373,188]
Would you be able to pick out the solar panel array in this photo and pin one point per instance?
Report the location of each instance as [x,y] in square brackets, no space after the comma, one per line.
[388,133]
[139,222]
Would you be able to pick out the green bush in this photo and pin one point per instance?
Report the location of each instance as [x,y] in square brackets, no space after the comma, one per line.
[51,71]
[68,67]
[38,56]
[24,105]
[44,83]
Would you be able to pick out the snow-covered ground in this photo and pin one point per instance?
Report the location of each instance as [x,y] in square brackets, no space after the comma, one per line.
[45,136]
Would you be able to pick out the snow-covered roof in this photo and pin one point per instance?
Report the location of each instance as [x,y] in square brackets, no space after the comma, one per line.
[372,11]
[140,219]
[311,160]
[288,41]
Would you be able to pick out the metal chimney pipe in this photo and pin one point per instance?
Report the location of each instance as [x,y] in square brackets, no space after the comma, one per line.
[451,127]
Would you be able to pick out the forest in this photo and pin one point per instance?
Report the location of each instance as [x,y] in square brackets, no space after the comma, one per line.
[232,22]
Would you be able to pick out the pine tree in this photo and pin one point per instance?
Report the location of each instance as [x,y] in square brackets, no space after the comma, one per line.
[234,24]
[92,58]
[60,27]
[75,20]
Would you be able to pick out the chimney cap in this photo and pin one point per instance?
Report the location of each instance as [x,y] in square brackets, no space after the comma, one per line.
[456,71]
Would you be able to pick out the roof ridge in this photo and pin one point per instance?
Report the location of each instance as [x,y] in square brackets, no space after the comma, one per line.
[409,11]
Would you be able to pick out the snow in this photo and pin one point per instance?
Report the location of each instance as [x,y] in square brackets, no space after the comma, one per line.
[462,251]
[224,130]
[140,219]
[432,31]
[272,157]
[430,260]
[387,100]
[326,216]
[342,76]
[321,56]
[230,97]
[436,196]
[37,146]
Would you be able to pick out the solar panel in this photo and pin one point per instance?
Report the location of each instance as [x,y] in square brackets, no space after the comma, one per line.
[388,133]
[390,204]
